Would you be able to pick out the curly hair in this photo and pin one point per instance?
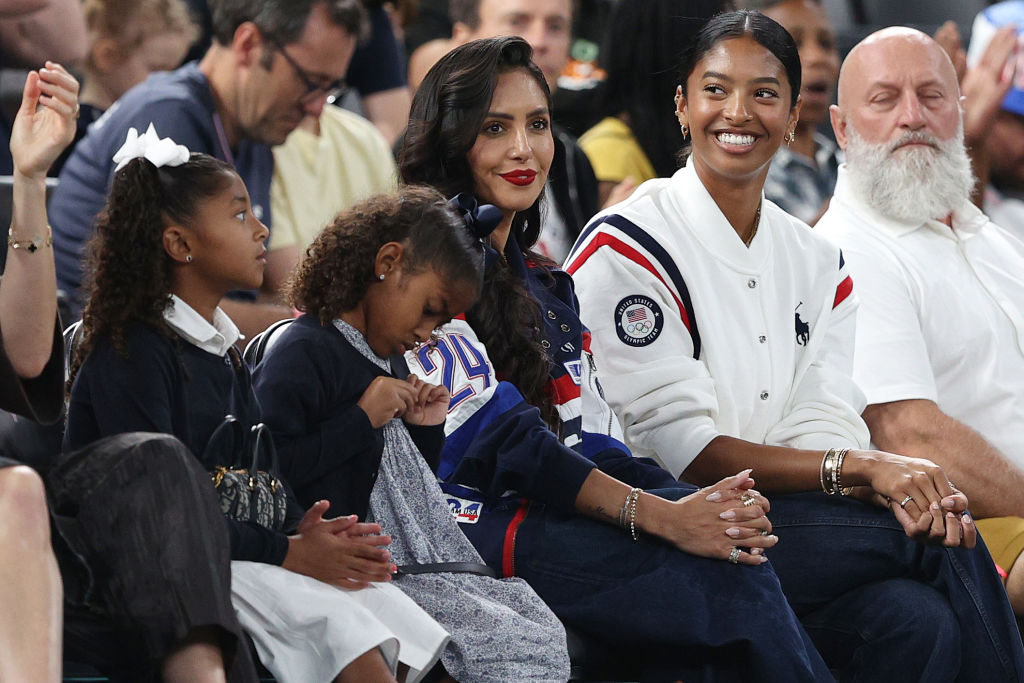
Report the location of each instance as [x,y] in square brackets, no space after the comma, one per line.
[447,112]
[128,273]
[338,267]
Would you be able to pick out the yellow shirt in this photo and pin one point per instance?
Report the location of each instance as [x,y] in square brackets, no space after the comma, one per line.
[317,176]
[614,152]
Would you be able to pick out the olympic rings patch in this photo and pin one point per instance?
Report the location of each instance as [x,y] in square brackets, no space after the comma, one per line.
[638,320]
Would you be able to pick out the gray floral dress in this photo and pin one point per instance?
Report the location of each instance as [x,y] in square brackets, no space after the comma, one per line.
[501,630]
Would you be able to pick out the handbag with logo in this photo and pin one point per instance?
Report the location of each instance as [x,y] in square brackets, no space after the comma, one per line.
[248,486]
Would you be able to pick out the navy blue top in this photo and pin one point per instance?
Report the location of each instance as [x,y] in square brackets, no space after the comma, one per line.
[180,104]
[169,386]
[308,384]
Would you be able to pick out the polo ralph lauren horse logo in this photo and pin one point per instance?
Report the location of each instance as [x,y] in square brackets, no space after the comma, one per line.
[803,330]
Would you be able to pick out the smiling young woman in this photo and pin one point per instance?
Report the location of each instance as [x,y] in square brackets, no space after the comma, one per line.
[726,327]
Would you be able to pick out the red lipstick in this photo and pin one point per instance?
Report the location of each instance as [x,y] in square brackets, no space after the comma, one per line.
[520,177]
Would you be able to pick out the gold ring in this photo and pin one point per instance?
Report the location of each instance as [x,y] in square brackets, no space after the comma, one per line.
[748,500]
[78,110]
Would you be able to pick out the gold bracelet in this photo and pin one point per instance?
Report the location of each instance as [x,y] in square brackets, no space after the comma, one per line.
[33,244]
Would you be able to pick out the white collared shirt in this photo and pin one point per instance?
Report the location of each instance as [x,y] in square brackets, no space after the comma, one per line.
[698,335]
[194,328]
[941,315]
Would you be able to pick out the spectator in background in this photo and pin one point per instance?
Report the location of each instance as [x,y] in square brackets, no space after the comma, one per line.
[271,63]
[639,136]
[940,330]
[377,73]
[326,165]
[803,173]
[1001,139]
[571,193]
[32,31]
[128,39]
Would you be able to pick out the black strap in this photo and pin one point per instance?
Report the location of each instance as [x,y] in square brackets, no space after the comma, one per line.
[447,568]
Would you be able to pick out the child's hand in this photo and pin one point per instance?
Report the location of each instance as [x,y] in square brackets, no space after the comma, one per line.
[385,399]
[340,551]
[431,406]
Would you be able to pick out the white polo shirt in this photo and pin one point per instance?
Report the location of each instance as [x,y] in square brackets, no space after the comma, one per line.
[698,336]
[941,313]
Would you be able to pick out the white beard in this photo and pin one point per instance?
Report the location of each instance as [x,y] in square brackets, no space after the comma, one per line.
[911,185]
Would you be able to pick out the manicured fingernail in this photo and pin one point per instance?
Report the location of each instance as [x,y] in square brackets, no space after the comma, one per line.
[715,497]
[746,473]
[734,532]
[394,569]
[756,551]
[934,505]
[762,559]
[967,519]
[948,502]
[728,514]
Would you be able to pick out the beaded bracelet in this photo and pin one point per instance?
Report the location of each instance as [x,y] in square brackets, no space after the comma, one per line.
[627,515]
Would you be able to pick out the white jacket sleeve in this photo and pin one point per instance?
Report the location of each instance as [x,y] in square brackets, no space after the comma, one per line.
[825,404]
[664,398]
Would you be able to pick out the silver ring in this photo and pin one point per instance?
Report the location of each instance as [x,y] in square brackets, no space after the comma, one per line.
[903,503]
[765,532]
[734,555]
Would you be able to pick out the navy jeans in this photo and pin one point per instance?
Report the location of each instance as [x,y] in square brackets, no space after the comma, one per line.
[682,616]
[885,607]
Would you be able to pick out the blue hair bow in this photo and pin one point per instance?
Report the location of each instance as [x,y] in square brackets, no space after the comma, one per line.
[481,220]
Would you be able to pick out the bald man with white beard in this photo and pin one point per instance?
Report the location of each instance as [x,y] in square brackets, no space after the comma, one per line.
[940,329]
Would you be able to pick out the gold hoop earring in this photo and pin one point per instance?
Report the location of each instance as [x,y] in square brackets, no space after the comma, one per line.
[685,129]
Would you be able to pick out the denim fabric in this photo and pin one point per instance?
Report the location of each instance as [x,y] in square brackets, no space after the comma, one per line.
[849,570]
[682,616]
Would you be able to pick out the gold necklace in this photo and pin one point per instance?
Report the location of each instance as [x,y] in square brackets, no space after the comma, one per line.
[757,222]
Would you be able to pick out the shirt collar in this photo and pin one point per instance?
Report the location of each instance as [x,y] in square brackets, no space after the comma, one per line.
[193,328]
[967,220]
[693,201]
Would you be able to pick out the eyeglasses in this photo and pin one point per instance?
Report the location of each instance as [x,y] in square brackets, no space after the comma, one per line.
[333,90]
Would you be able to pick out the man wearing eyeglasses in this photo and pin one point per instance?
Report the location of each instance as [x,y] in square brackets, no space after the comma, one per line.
[272,62]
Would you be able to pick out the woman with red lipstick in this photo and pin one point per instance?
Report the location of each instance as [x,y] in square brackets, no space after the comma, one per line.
[534,467]
[725,329]
[803,173]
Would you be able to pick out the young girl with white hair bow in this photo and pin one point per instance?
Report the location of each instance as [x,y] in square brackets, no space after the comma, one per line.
[157,355]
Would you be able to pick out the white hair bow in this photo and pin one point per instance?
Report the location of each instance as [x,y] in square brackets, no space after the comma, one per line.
[158,151]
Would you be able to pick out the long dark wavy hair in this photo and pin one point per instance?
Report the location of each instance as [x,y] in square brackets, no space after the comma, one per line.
[338,267]
[447,114]
[128,272]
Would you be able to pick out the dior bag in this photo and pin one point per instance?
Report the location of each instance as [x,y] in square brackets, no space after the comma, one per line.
[248,486]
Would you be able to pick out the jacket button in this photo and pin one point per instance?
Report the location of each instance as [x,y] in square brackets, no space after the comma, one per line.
[545,343]
[751,283]
[764,395]
[762,339]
